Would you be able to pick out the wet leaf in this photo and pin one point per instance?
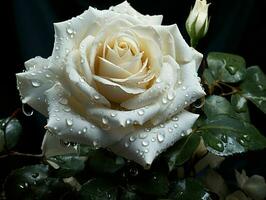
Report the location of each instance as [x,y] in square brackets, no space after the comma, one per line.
[224,135]
[226,67]
[188,189]
[98,189]
[254,87]
[33,182]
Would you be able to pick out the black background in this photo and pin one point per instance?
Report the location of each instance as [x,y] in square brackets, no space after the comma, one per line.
[237,26]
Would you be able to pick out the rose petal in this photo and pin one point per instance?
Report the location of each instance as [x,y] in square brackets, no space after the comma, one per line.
[146,143]
[77,86]
[108,69]
[33,83]
[127,9]
[176,47]
[183,94]
[68,125]
[115,92]
[155,93]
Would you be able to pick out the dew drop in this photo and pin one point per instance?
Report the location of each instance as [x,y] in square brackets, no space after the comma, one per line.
[145,143]
[69,122]
[170,130]
[184,88]
[153,139]
[47,75]
[158,80]
[170,96]
[79,132]
[175,118]
[132,138]
[126,144]
[164,100]
[57,48]
[84,130]
[69,31]
[36,83]
[147,129]
[179,82]
[96,97]
[146,150]
[160,137]
[175,125]
[113,114]
[140,112]
[104,120]
[63,101]
[27,112]
[67,109]
[128,121]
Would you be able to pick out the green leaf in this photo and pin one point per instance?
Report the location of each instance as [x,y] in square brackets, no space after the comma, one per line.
[226,67]
[10,132]
[153,183]
[224,135]
[254,87]
[208,77]
[98,189]
[105,162]
[182,151]
[32,182]
[240,107]
[128,195]
[217,105]
[188,189]
[69,165]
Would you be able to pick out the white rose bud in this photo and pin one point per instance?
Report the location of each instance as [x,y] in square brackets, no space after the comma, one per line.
[197,23]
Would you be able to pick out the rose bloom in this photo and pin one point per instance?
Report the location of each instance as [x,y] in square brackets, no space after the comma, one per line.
[116,79]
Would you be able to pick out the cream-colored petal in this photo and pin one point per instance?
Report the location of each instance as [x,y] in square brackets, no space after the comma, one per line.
[146,19]
[178,46]
[69,125]
[84,48]
[76,84]
[33,83]
[107,69]
[187,90]
[158,89]
[115,92]
[146,143]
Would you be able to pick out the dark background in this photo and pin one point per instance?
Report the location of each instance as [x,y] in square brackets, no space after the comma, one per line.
[237,26]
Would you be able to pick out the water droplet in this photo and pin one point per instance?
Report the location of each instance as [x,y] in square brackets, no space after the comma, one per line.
[35,175]
[147,129]
[153,139]
[175,125]
[33,74]
[133,171]
[69,31]
[160,137]
[35,83]
[189,131]
[184,88]
[113,114]
[175,118]
[141,112]
[57,48]
[185,103]
[104,120]
[183,134]
[128,121]
[170,96]
[146,150]
[79,132]
[224,138]
[231,69]
[126,144]
[57,57]
[164,100]
[63,101]
[143,135]
[162,125]
[95,144]
[26,111]
[170,130]
[67,109]
[96,97]
[84,130]
[145,143]
[179,82]
[57,119]
[132,138]
[47,75]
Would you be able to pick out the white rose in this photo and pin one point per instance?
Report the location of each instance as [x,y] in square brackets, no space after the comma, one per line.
[116,79]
